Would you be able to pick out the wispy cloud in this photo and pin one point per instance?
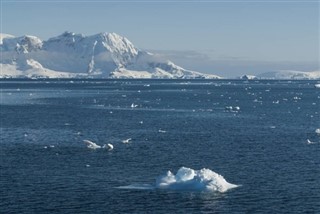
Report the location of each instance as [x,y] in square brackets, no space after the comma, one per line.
[206,55]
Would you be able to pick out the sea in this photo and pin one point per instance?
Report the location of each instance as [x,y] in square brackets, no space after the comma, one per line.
[260,136]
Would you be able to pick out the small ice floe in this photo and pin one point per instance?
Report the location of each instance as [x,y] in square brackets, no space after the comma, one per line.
[276,102]
[108,146]
[161,131]
[87,165]
[232,108]
[272,127]
[127,141]
[236,108]
[317,85]
[92,145]
[141,122]
[317,131]
[133,105]
[50,146]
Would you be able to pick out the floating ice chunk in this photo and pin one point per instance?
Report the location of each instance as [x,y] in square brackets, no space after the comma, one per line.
[317,131]
[133,105]
[161,131]
[127,140]
[317,85]
[108,146]
[232,109]
[91,145]
[236,108]
[229,108]
[188,179]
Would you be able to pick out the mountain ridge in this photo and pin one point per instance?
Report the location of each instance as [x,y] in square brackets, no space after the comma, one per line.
[70,55]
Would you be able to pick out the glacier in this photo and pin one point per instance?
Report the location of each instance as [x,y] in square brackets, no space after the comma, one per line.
[71,55]
[290,75]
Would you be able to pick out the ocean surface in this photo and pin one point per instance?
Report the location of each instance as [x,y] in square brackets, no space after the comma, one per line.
[258,135]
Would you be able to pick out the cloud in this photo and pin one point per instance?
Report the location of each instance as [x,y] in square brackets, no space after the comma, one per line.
[209,61]
[185,54]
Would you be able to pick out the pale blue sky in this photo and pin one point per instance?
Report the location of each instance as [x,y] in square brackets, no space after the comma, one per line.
[210,36]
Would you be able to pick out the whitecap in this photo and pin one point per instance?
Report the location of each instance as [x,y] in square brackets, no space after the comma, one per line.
[310,142]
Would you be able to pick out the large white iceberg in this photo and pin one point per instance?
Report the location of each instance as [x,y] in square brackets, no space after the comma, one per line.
[194,180]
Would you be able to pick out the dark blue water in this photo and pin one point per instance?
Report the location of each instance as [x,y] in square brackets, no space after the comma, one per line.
[46,168]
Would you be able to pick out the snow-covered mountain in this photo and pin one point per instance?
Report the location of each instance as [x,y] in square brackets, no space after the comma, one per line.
[287,74]
[70,55]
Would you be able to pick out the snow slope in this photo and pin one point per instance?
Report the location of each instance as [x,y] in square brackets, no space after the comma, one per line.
[70,55]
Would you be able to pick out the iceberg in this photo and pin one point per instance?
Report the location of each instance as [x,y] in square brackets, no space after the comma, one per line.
[187,179]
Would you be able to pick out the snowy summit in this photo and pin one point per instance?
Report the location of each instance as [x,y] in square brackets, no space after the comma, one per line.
[70,55]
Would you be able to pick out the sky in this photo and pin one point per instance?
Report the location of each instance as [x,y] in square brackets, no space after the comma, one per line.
[226,38]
